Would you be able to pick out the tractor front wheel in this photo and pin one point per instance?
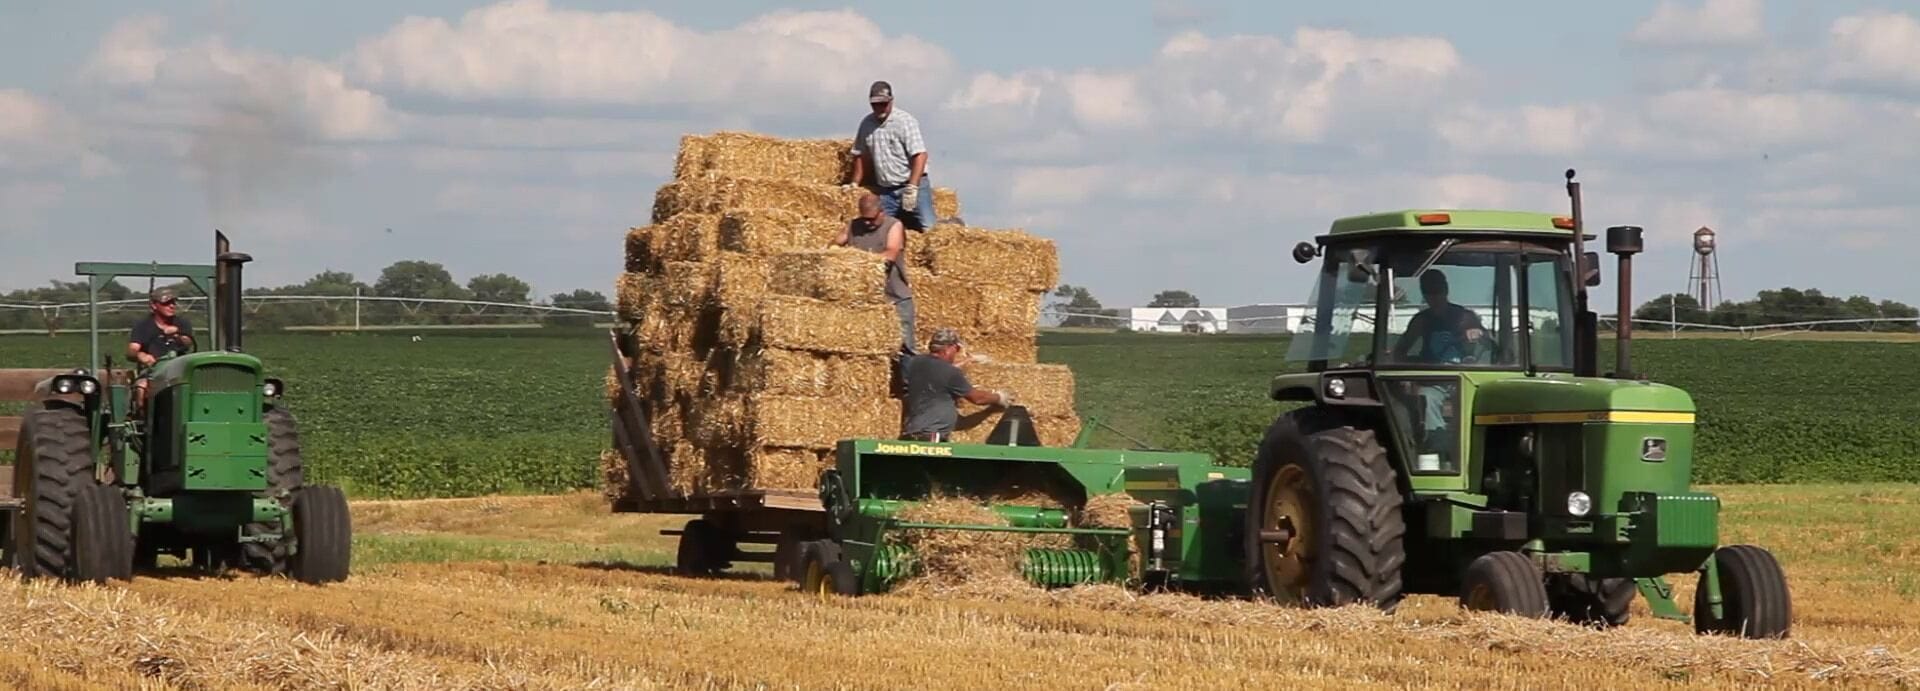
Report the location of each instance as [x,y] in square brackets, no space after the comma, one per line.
[1505,582]
[1324,525]
[1597,602]
[285,473]
[53,462]
[102,535]
[825,571]
[323,535]
[1753,596]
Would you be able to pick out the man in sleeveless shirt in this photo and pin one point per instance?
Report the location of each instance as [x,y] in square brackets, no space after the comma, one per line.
[884,235]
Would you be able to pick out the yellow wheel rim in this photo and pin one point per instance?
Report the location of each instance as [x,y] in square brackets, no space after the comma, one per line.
[817,580]
[1291,507]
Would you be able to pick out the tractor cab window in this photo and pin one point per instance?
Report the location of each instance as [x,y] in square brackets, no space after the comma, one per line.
[1477,304]
[1338,326]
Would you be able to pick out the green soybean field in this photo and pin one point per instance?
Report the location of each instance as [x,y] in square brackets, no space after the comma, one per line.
[520,411]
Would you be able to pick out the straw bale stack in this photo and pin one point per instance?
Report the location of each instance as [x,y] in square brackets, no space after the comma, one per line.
[761,347]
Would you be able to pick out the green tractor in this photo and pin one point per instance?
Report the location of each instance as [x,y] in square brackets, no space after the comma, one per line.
[207,470]
[1458,439]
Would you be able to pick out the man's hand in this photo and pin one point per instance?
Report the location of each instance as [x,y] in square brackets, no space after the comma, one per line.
[145,359]
[169,330]
[1473,335]
[909,198]
[1006,398]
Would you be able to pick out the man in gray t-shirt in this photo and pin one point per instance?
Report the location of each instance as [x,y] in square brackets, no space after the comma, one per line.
[934,382]
[881,234]
[890,157]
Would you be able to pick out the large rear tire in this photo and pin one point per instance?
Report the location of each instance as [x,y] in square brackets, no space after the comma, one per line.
[1324,525]
[286,472]
[1754,602]
[54,462]
[323,535]
[1505,582]
[102,535]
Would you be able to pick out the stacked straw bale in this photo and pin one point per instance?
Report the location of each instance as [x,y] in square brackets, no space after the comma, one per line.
[761,347]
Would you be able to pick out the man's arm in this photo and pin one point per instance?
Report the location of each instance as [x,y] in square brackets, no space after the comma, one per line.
[916,151]
[859,168]
[963,389]
[859,151]
[846,236]
[896,240]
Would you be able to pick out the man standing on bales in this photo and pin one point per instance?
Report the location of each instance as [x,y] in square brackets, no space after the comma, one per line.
[934,383]
[882,234]
[890,158]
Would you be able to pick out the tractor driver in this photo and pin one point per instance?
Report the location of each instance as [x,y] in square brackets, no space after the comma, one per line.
[160,334]
[1447,332]
[934,382]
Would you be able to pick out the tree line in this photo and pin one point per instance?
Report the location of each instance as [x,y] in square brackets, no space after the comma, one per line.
[410,279]
[1779,306]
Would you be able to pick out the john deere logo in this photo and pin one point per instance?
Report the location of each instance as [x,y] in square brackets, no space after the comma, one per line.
[1653,449]
[912,449]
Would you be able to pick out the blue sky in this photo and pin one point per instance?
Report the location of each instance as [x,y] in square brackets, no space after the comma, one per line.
[1162,144]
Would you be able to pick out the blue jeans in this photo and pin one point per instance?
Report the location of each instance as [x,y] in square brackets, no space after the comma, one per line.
[919,219]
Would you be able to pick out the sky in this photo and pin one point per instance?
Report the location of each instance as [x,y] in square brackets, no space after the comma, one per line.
[1165,144]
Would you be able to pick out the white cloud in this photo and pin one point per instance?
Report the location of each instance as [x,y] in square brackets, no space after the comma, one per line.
[527,50]
[1532,130]
[1875,48]
[1711,23]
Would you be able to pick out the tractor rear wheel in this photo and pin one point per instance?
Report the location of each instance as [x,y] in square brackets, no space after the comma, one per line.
[1505,582]
[1754,602]
[704,549]
[54,461]
[825,571]
[1597,602]
[102,535]
[285,473]
[323,535]
[1324,525]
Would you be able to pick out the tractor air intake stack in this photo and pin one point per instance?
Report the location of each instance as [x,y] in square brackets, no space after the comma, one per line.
[1624,242]
[226,288]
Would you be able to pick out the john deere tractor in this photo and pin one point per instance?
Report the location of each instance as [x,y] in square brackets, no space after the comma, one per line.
[206,470]
[1458,439]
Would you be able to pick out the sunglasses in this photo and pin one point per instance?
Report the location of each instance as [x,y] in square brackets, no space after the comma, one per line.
[165,303]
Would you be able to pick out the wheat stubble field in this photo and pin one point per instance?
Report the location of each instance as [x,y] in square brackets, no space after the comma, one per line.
[554,593]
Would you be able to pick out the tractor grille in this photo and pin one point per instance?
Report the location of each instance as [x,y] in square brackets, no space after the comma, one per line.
[224,379]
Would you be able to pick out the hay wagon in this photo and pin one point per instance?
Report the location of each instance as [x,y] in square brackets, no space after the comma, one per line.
[723,521]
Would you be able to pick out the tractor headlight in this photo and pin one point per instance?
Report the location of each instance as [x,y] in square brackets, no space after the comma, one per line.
[89,386]
[1579,504]
[63,386]
[272,388]
[1336,388]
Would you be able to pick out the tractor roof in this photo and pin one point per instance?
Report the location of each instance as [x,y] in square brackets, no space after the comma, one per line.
[1445,220]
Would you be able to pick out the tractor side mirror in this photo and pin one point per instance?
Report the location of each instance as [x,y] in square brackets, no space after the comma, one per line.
[1591,260]
[1305,252]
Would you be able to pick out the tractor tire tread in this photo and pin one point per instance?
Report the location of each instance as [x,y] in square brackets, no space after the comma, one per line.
[286,472]
[323,535]
[1361,527]
[1753,594]
[57,436]
[1517,584]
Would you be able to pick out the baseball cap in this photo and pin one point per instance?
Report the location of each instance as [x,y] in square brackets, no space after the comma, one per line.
[880,92]
[161,295]
[944,337]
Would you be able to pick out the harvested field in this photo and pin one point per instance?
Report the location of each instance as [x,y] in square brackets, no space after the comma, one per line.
[535,592]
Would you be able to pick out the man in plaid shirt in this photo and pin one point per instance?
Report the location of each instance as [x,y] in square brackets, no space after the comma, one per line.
[890,158]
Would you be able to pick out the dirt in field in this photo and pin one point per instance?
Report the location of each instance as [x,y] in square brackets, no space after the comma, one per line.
[567,624]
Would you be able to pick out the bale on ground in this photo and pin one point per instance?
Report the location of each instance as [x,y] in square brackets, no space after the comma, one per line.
[798,323]
[719,195]
[769,231]
[1005,257]
[692,237]
[748,155]
[782,372]
[837,274]
[819,423]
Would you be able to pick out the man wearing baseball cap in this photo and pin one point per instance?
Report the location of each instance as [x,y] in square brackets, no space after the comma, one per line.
[934,383]
[161,333]
[890,158]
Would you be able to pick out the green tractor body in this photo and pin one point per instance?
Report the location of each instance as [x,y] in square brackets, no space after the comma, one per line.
[207,470]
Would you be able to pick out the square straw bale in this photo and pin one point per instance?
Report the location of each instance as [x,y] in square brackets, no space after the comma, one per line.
[633,295]
[686,466]
[748,155]
[769,231]
[841,275]
[798,323]
[692,237]
[613,476]
[1006,257]
[1046,390]
[739,280]
[1006,309]
[774,467]
[781,372]
[985,346]
[718,195]
[946,203]
[662,331]
[819,423]
[719,422]
[643,249]
[683,285]
[939,301]
[1055,431]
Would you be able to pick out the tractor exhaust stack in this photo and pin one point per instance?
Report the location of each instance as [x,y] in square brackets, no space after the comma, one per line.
[227,291]
[1624,242]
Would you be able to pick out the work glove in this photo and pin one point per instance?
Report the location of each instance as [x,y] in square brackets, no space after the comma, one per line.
[909,198]
[1006,399]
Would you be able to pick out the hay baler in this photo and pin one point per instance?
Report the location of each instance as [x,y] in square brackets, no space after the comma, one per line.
[1035,491]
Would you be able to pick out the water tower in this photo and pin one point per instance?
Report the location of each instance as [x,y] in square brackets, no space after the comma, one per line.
[1704,278]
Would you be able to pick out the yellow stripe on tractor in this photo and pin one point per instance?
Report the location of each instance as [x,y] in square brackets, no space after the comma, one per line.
[1640,416]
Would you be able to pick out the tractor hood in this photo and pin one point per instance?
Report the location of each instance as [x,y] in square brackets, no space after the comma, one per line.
[1564,394]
